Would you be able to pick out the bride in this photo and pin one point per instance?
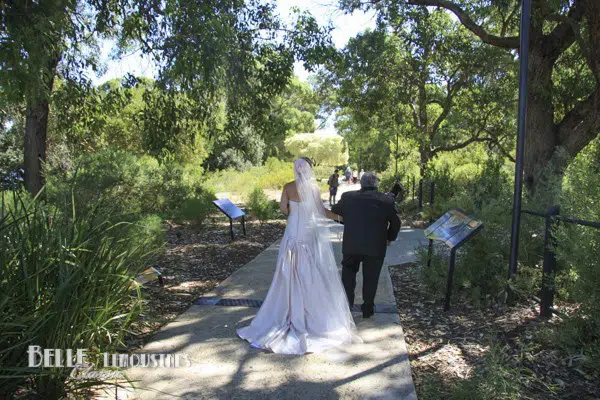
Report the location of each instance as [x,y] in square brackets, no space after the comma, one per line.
[306,309]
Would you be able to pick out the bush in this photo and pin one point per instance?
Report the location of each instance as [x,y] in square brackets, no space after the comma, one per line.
[277,174]
[64,283]
[578,249]
[273,175]
[481,264]
[261,207]
[127,187]
[196,209]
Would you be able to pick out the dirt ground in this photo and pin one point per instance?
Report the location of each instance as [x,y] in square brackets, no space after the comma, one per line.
[448,347]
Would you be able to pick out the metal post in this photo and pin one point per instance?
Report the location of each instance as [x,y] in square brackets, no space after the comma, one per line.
[450,278]
[396,154]
[420,194]
[431,193]
[231,228]
[522,118]
[548,277]
[429,253]
[244,224]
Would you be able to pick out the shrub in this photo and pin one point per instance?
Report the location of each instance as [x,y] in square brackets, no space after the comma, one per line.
[126,187]
[578,249]
[64,283]
[260,206]
[273,175]
[481,264]
[278,173]
[199,207]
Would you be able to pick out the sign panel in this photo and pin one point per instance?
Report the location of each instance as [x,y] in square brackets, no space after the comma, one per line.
[453,228]
[228,208]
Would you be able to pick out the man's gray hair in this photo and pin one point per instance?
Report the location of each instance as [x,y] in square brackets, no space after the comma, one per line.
[369,179]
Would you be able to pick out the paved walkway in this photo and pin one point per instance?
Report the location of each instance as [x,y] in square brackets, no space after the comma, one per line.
[224,366]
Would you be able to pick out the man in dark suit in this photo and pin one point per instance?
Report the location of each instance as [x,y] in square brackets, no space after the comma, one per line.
[371,223]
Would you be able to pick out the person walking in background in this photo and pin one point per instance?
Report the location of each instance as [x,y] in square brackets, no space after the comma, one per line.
[348,174]
[333,183]
[360,175]
[355,177]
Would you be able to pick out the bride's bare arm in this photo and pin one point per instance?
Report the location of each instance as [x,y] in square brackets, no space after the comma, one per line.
[333,216]
[284,203]
[328,214]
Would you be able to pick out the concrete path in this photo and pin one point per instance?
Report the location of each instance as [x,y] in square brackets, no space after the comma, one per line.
[225,367]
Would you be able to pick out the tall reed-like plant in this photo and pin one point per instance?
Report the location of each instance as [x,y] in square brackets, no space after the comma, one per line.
[64,283]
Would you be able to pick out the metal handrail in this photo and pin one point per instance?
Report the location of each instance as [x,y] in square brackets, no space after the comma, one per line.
[548,280]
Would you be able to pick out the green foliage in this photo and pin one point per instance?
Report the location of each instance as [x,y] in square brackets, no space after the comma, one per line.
[293,111]
[481,264]
[126,186]
[261,207]
[273,175]
[578,249]
[236,57]
[196,209]
[443,94]
[497,380]
[64,283]
[11,149]
[324,150]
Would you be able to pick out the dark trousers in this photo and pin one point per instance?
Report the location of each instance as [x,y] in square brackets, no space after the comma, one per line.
[371,270]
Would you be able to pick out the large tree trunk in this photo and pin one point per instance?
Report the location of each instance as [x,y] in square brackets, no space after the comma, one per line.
[36,126]
[540,139]
[425,157]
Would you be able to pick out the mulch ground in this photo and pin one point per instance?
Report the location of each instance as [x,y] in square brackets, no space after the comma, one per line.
[446,347]
[195,261]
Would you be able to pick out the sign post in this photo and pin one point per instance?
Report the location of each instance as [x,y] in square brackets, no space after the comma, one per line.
[453,228]
[232,212]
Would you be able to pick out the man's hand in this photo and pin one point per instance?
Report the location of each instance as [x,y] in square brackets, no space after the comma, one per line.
[389,242]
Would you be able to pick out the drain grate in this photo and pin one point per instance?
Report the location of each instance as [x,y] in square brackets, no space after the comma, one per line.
[216,301]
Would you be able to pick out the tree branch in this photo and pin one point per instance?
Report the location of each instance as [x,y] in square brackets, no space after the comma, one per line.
[592,52]
[511,42]
[566,32]
[494,140]
[461,145]
[581,125]
[446,107]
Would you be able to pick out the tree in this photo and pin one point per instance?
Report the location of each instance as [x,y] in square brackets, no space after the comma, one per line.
[421,84]
[232,51]
[563,113]
[232,59]
[369,148]
[293,111]
[322,149]
[38,41]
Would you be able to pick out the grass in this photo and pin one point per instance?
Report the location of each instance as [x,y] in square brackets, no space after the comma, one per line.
[64,283]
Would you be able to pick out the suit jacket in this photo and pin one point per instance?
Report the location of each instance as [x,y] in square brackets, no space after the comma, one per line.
[370,220]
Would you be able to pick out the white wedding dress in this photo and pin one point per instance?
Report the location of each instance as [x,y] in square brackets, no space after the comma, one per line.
[306,309]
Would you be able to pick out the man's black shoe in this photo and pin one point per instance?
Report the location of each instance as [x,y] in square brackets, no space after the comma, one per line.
[367,311]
